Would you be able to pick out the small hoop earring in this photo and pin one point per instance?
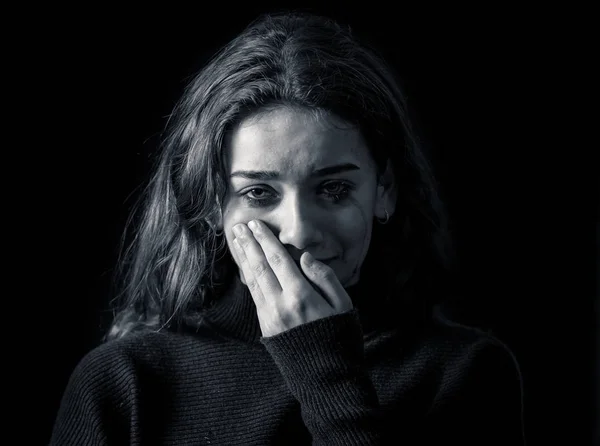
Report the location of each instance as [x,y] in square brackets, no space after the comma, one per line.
[219,232]
[386,219]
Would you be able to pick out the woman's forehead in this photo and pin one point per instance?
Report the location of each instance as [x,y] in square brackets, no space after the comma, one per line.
[294,141]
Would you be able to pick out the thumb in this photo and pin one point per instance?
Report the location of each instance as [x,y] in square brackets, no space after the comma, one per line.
[324,279]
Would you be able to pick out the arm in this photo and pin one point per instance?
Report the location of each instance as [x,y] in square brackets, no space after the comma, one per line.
[312,331]
[322,364]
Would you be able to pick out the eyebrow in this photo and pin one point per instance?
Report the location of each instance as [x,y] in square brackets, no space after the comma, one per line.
[267,175]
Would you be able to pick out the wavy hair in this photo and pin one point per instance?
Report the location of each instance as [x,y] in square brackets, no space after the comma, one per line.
[175,262]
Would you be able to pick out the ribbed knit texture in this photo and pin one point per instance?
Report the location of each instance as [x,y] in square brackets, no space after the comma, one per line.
[340,380]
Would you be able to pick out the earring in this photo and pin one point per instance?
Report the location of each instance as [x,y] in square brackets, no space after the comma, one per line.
[386,219]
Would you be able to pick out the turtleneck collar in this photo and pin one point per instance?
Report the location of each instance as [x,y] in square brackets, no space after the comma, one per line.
[234,315]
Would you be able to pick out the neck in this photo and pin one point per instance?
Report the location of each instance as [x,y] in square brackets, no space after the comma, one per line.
[234,314]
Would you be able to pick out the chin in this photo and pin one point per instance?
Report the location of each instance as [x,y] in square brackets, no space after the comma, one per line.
[345,275]
[350,282]
[347,280]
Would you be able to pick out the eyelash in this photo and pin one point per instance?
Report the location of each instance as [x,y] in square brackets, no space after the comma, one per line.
[337,197]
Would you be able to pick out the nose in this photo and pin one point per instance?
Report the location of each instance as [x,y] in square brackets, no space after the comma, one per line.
[298,221]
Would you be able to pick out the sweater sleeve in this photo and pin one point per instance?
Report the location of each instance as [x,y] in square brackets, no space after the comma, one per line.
[322,363]
[95,408]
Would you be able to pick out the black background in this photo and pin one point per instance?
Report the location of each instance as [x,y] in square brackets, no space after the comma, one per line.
[488,90]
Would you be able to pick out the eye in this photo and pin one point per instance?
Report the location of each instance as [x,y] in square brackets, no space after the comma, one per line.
[336,190]
[258,196]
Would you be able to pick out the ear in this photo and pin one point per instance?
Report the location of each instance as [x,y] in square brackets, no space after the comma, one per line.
[217,221]
[387,192]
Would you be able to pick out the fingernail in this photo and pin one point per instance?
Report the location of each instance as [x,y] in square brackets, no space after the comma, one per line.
[237,230]
[253,225]
[309,259]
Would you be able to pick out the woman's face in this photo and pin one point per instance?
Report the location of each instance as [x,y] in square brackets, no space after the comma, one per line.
[311,179]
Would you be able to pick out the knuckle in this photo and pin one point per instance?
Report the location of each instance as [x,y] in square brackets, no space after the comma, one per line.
[284,317]
[297,291]
[260,269]
[243,241]
[275,259]
[296,307]
[299,305]
[252,285]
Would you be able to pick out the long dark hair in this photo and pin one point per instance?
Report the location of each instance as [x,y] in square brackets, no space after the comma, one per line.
[176,260]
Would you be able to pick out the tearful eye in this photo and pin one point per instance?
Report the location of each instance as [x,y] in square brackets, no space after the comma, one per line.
[258,196]
[334,188]
[336,191]
[263,196]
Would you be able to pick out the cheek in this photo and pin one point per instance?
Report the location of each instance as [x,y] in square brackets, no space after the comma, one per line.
[352,232]
[234,213]
[357,224]
[359,227]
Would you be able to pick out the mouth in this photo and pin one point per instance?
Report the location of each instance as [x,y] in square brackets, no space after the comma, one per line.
[327,260]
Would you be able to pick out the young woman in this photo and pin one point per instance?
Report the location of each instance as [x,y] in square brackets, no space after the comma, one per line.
[283,281]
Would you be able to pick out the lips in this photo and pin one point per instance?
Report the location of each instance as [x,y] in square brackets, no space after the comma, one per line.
[327,260]
[320,259]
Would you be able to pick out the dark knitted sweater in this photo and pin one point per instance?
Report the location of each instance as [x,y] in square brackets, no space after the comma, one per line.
[357,378]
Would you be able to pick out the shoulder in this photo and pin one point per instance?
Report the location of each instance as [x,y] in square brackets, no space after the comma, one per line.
[476,365]
[104,387]
[446,351]
[469,345]
[133,347]
[480,380]
[121,362]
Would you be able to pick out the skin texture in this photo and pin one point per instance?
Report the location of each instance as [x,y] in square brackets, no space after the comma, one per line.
[275,162]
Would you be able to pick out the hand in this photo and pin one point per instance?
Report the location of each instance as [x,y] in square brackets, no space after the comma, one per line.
[284,297]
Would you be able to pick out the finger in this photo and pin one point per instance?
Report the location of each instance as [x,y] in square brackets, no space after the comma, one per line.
[236,256]
[282,264]
[245,268]
[326,281]
[256,264]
